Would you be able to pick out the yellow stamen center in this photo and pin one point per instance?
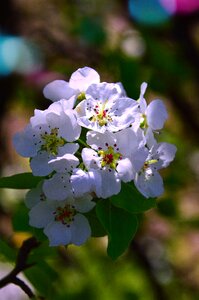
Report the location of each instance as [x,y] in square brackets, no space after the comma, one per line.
[52,142]
[101,115]
[65,214]
[109,157]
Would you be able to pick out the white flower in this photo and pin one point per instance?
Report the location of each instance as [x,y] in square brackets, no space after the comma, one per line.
[113,156]
[48,135]
[105,108]
[63,221]
[76,88]
[148,181]
[69,179]
[151,117]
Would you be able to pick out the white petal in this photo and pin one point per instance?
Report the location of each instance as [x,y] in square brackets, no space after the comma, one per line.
[156,114]
[150,139]
[125,170]
[41,214]
[39,164]
[65,163]
[126,141]
[95,181]
[149,186]
[97,139]
[84,204]
[69,128]
[82,78]
[62,105]
[80,182]
[57,90]
[143,89]
[81,108]
[138,158]
[68,148]
[39,117]
[120,89]
[80,230]
[90,158]
[141,100]
[102,91]
[58,234]
[58,187]
[110,185]
[24,142]
[166,153]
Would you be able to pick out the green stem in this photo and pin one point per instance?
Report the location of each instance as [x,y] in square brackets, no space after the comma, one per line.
[83,143]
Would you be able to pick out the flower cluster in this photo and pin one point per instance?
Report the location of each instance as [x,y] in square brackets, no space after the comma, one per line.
[89,140]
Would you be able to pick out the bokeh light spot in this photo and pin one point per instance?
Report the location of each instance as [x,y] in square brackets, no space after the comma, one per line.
[150,12]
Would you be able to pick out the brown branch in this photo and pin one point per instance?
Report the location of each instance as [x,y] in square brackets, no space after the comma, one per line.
[21,265]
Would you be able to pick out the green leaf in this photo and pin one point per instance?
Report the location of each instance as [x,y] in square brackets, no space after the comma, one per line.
[20,181]
[20,219]
[8,252]
[131,200]
[97,230]
[120,225]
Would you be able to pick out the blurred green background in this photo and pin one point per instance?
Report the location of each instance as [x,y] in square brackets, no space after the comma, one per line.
[49,40]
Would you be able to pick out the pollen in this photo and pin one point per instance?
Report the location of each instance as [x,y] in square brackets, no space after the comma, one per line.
[109,158]
[52,142]
[101,115]
[65,214]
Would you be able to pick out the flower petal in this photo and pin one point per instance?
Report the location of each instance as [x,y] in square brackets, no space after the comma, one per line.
[84,204]
[58,187]
[57,90]
[165,152]
[125,170]
[156,114]
[80,182]
[110,185]
[41,214]
[24,142]
[39,164]
[149,185]
[80,230]
[65,163]
[82,78]
[58,234]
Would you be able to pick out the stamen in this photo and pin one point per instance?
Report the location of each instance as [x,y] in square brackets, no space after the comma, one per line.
[52,142]
[65,214]
[109,158]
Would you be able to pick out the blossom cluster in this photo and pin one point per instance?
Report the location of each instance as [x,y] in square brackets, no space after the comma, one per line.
[84,145]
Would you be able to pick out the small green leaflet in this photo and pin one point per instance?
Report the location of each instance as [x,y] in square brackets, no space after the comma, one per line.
[131,200]
[120,225]
[20,181]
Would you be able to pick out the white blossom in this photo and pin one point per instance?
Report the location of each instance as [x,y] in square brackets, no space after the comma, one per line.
[150,118]
[48,135]
[112,156]
[63,222]
[105,108]
[148,181]
[75,89]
